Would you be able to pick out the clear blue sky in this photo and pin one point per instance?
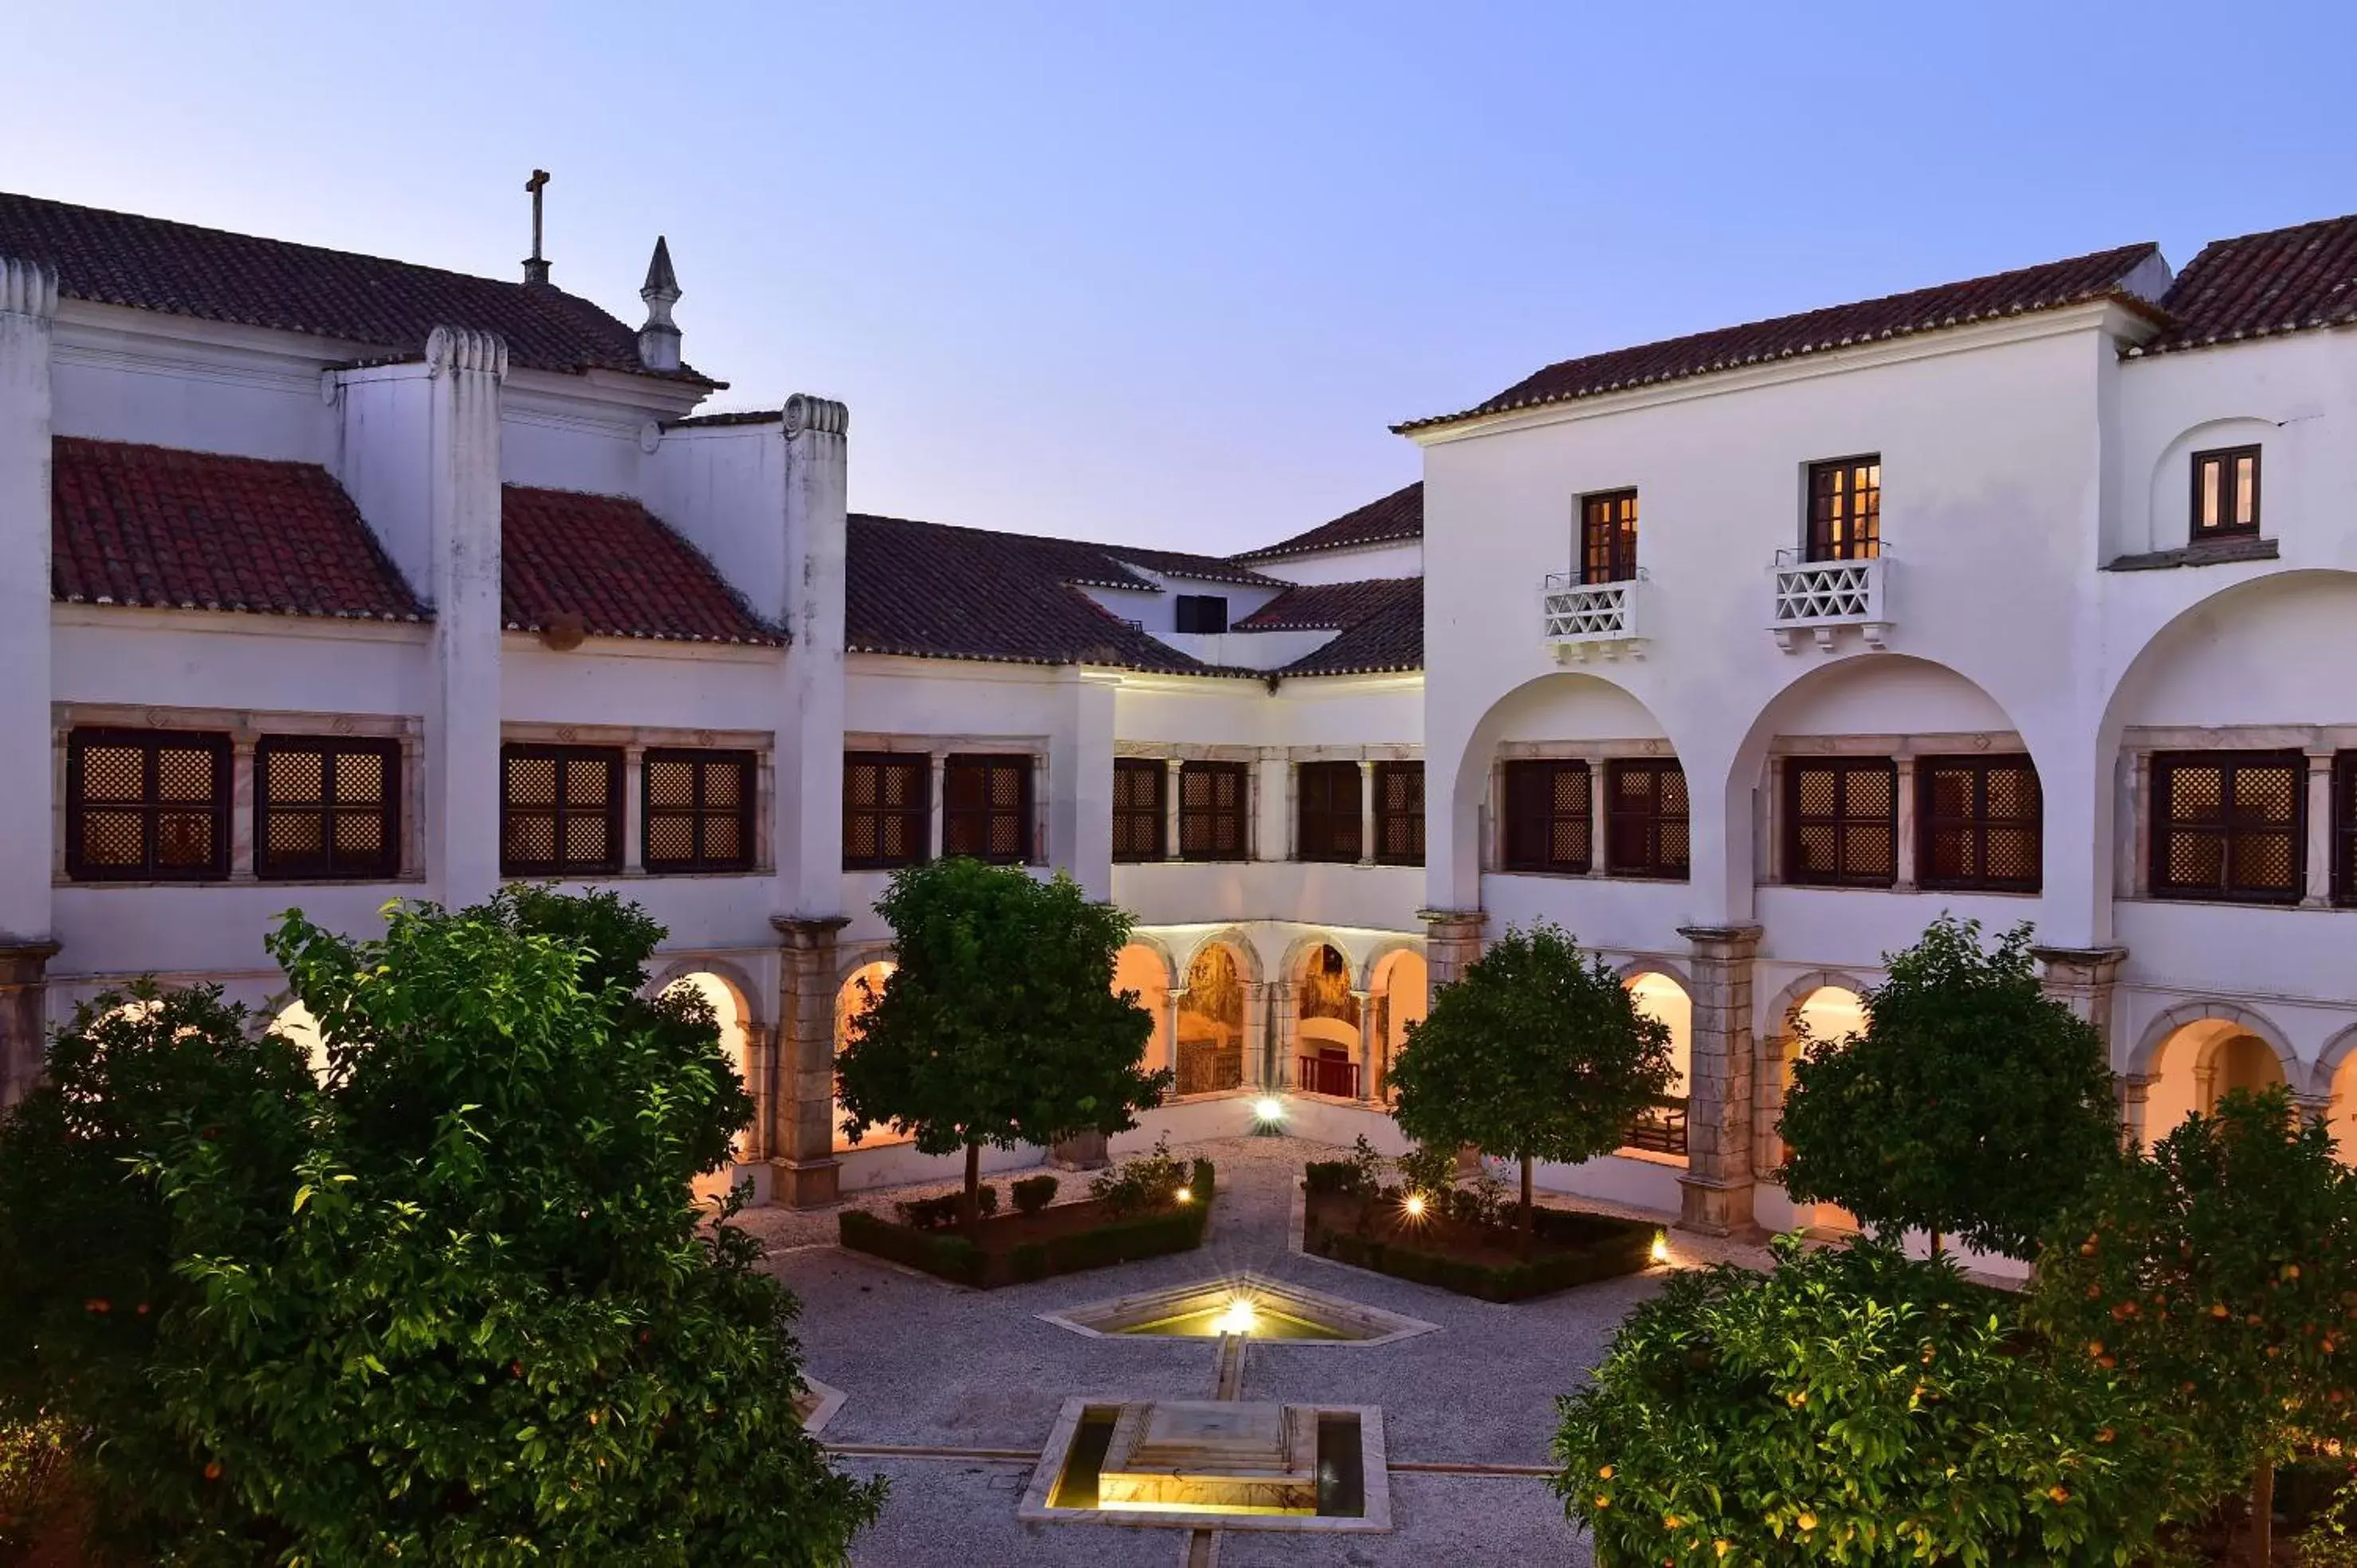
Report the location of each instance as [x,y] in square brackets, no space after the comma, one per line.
[1159,271]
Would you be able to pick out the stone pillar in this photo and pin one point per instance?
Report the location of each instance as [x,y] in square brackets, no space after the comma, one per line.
[24,1017]
[936,837]
[1172,766]
[2314,1107]
[1452,940]
[1600,852]
[1366,813]
[2082,979]
[2318,895]
[1175,1003]
[761,1083]
[1717,1189]
[1080,776]
[809,822]
[2134,1089]
[1273,806]
[466,371]
[28,304]
[802,1135]
[634,808]
[1374,1044]
[1904,849]
[1284,1011]
[1256,1003]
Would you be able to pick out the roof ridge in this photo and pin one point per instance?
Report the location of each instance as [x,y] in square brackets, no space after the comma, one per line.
[2270,233]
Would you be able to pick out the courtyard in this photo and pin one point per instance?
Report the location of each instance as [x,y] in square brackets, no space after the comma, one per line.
[952,1393]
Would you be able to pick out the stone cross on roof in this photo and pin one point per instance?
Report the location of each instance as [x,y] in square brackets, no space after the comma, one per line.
[535,266]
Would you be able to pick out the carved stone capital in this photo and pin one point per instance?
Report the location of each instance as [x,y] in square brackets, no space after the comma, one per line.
[808,931]
[2092,966]
[1733,942]
[456,348]
[819,415]
[29,288]
[23,963]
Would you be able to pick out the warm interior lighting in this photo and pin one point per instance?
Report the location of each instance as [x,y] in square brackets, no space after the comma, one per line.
[1413,1204]
[1265,1109]
[1185,1195]
[1661,1246]
[1238,1319]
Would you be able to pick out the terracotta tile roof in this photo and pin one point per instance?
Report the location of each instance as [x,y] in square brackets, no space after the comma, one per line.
[178,269]
[1180,564]
[169,530]
[1314,607]
[617,566]
[1387,635]
[2287,280]
[1397,516]
[2106,274]
[933,591]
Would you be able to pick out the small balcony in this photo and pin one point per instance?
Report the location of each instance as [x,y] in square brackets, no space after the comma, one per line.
[1327,1075]
[1583,619]
[1821,597]
[1661,1129]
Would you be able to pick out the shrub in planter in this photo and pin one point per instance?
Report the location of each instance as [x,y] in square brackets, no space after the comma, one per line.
[1033,1194]
[1150,1180]
[937,1213]
[942,1251]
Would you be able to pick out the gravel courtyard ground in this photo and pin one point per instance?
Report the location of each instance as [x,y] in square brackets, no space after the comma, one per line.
[926,1364]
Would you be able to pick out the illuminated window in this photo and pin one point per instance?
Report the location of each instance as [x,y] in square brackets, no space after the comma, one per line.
[146,806]
[1841,822]
[2225,492]
[1646,819]
[1549,817]
[1137,807]
[1608,537]
[1846,510]
[887,810]
[1215,810]
[698,811]
[1978,823]
[1399,813]
[2229,825]
[560,811]
[327,808]
[986,808]
[1328,821]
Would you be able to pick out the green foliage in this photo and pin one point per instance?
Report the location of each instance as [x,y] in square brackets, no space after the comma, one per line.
[1428,1168]
[1150,1180]
[1579,1248]
[932,1213]
[1535,1053]
[1144,1233]
[1973,1105]
[2220,1269]
[35,1478]
[942,1253]
[1001,1026]
[1857,1407]
[1034,1193]
[455,1304]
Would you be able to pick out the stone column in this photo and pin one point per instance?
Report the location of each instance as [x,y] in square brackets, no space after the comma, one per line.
[1600,852]
[1273,806]
[1366,813]
[1374,1044]
[1176,1003]
[1904,818]
[1256,1001]
[802,1135]
[1452,940]
[1717,1189]
[2134,1089]
[1284,1010]
[634,808]
[1172,766]
[2318,895]
[466,371]
[936,837]
[2082,979]
[28,304]
[1080,775]
[24,1017]
[808,834]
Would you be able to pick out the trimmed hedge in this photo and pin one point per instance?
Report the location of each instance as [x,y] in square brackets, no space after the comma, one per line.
[1587,1247]
[1117,1240]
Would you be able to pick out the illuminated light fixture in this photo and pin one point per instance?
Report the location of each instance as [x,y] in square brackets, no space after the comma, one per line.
[1240,1317]
[1661,1254]
[1268,1108]
[1414,1204]
[1185,1195]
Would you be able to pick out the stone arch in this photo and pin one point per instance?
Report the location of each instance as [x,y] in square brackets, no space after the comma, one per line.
[2329,1062]
[294,1023]
[1304,947]
[1774,1053]
[739,981]
[1323,1050]
[2339,1055]
[1628,969]
[1399,996]
[1454,866]
[743,1041]
[2182,1052]
[1380,952]
[1240,947]
[1143,965]
[849,1002]
[2169,488]
[1215,1023]
[2165,1026]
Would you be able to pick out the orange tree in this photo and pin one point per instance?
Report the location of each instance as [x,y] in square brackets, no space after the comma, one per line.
[1973,1105]
[2221,1268]
[1857,1407]
[1000,1025]
[1535,1053]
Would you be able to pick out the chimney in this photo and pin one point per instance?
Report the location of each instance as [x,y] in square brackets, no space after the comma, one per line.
[658,340]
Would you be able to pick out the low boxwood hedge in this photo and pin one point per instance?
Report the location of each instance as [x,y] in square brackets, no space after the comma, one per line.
[1577,1248]
[1121,1240]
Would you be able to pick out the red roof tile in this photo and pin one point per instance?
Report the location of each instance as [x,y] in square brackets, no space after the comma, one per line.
[1384,631]
[2082,279]
[2287,280]
[169,530]
[1315,606]
[178,269]
[1397,516]
[617,566]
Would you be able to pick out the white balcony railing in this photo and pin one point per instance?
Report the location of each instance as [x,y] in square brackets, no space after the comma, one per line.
[1821,597]
[1582,618]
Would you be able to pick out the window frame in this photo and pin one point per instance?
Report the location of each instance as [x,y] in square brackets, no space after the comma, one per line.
[2342,827]
[1646,819]
[1326,829]
[1520,818]
[918,812]
[1977,823]
[149,807]
[1185,608]
[1239,813]
[1841,822]
[697,813]
[2196,531]
[561,811]
[386,865]
[1134,814]
[1820,523]
[1408,817]
[1607,536]
[2165,765]
[985,817]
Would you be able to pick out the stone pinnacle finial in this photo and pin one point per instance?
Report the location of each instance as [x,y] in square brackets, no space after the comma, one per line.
[659,339]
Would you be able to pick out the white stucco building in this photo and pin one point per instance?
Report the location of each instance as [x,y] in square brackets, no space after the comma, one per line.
[330,580]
